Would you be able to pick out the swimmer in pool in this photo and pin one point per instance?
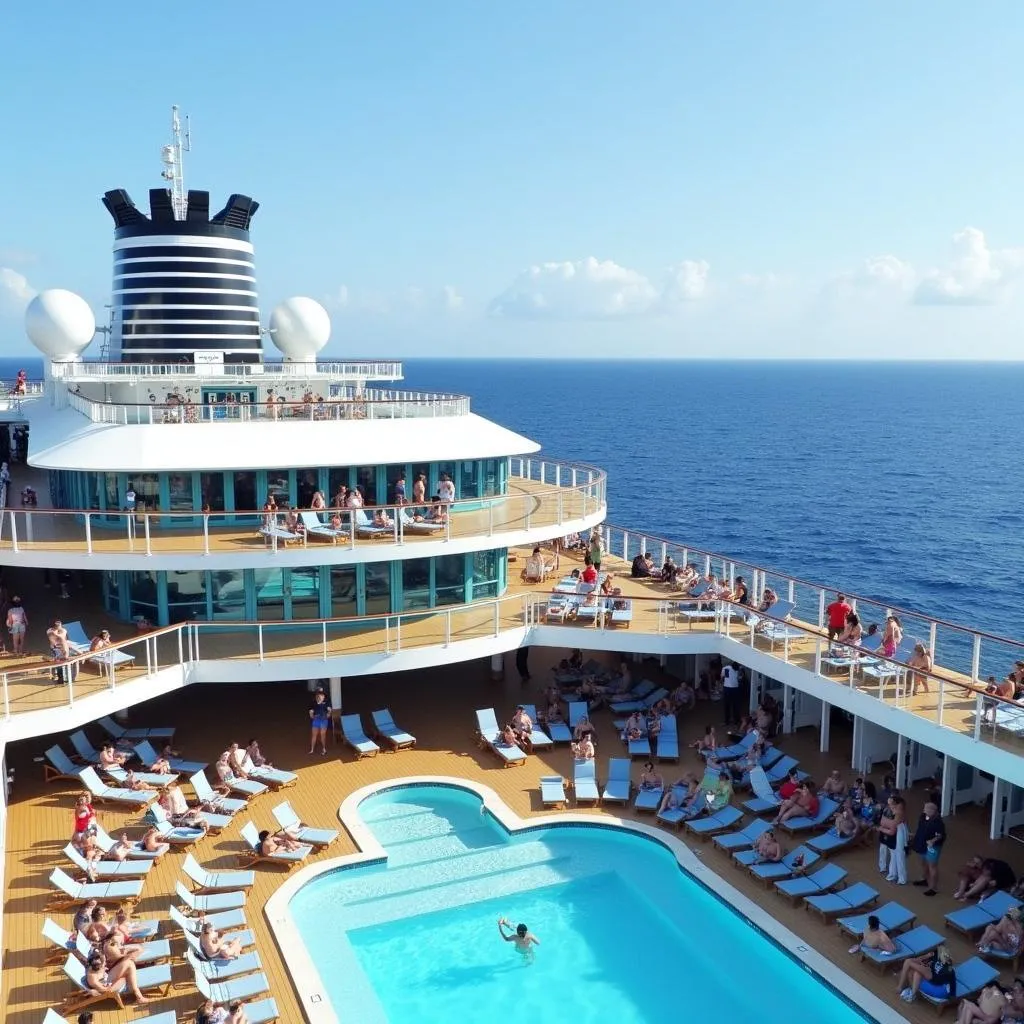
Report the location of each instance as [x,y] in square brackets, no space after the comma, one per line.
[521,937]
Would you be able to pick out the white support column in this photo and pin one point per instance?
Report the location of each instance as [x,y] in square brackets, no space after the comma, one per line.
[826,722]
[1000,795]
[857,746]
[497,666]
[902,749]
[335,682]
[949,767]
[788,708]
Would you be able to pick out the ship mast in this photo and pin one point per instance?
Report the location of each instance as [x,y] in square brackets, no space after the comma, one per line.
[174,163]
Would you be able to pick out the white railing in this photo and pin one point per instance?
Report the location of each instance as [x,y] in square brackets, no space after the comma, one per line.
[574,493]
[358,370]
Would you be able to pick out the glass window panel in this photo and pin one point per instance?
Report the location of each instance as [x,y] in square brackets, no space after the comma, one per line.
[228,591]
[446,469]
[366,479]
[179,492]
[415,583]
[490,477]
[343,591]
[307,483]
[420,469]
[245,492]
[143,597]
[450,579]
[336,476]
[394,474]
[470,486]
[113,502]
[112,591]
[186,595]
[485,574]
[147,491]
[304,586]
[211,487]
[279,486]
[269,594]
[378,587]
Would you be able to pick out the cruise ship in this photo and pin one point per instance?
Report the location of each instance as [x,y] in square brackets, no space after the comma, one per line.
[224,522]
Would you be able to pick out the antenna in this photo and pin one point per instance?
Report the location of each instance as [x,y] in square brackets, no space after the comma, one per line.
[174,163]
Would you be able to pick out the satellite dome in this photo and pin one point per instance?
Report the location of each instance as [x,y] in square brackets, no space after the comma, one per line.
[60,324]
[300,327]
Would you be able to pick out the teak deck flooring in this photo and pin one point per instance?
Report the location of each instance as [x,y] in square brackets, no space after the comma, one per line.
[437,706]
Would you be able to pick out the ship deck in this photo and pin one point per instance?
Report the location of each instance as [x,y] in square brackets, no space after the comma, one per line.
[39,822]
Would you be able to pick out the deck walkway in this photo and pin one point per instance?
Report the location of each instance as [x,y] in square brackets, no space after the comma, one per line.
[40,816]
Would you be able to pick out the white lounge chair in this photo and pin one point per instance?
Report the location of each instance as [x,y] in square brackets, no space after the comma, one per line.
[277,534]
[156,977]
[230,923]
[119,732]
[410,525]
[275,778]
[352,731]
[136,851]
[148,755]
[110,794]
[236,990]
[104,870]
[315,528]
[225,804]
[385,728]
[120,776]
[211,903]
[84,750]
[291,823]
[364,525]
[280,858]
[186,835]
[79,642]
[72,892]
[220,969]
[216,881]
[60,766]
[490,739]
[552,791]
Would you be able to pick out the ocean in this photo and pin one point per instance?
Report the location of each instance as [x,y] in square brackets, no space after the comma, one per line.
[896,481]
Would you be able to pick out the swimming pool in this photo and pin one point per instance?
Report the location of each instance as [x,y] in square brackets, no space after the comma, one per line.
[625,935]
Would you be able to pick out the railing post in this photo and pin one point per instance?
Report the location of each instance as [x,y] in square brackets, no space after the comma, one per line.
[259,638]
[323,638]
[817,655]
[931,641]
[398,632]
[976,659]
[942,695]
[490,519]
[71,685]
[88,533]
[496,619]
[387,634]
[7,699]
[821,609]
[529,469]
[206,534]
[558,474]
[792,590]
[145,525]
[707,565]
[574,476]
[14,532]
[447,628]
[181,650]
[979,711]
[561,509]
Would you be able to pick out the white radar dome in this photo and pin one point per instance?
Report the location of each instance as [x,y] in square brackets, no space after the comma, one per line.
[300,327]
[60,324]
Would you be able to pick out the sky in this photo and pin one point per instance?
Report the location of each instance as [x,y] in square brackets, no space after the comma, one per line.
[592,179]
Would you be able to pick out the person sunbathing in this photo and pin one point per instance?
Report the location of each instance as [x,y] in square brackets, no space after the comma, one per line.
[874,937]
[161,766]
[99,926]
[680,793]
[707,742]
[650,778]
[834,786]
[635,726]
[683,697]
[99,979]
[277,842]
[553,713]
[654,723]
[90,852]
[211,1013]
[151,841]
[767,849]
[584,749]
[507,736]
[115,950]
[982,877]
[804,802]
[933,973]
[845,824]
[173,801]
[991,1007]
[129,929]
[110,757]
[83,917]
[1004,935]
[710,798]
[215,946]
[136,785]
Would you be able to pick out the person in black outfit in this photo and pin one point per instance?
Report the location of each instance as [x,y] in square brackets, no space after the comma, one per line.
[523,663]
[927,844]
[319,720]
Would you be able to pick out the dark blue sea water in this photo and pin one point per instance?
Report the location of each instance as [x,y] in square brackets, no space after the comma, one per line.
[900,482]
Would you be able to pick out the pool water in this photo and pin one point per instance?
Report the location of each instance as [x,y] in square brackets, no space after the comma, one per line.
[625,936]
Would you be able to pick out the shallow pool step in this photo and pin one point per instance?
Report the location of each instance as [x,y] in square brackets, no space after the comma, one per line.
[414,878]
[422,826]
[455,844]
[465,891]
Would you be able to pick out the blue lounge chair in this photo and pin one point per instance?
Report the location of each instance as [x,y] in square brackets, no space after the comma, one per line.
[275,778]
[640,747]
[733,752]
[668,739]
[539,739]
[832,841]
[147,755]
[184,835]
[765,798]
[63,942]
[84,750]
[621,616]
[648,799]
[893,917]
[213,903]
[885,668]
[985,912]
[644,704]
[105,794]
[320,531]
[779,632]
[718,821]
[559,732]
[279,535]
[578,710]
[970,978]
[854,897]
[398,739]
[831,876]
[79,642]
[292,824]
[120,776]
[60,766]
[365,528]
[619,786]
[489,738]
[148,952]
[352,732]
[255,855]
[552,791]
[827,807]
[118,732]
[779,771]
[225,805]
[216,881]
[916,942]
[215,971]
[744,838]
[410,525]
[796,860]
[234,991]
[72,892]
[584,781]
[670,815]
[853,656]
[634,700]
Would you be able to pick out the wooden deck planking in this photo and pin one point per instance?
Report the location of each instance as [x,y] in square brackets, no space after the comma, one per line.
[40,816]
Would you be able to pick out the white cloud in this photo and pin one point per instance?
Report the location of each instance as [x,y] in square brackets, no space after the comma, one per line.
[976,276]
[15,291]
[593,289]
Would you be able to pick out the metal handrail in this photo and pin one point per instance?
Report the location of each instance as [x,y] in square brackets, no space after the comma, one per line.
[356,369]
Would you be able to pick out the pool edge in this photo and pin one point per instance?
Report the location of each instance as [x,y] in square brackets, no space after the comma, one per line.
[309,986]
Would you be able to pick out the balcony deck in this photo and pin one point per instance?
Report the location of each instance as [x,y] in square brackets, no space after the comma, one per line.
[39,822]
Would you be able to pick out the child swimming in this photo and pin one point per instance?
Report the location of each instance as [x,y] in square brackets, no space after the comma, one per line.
[522,937]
